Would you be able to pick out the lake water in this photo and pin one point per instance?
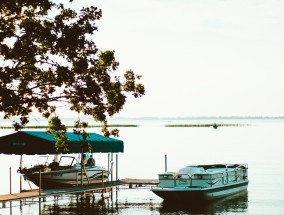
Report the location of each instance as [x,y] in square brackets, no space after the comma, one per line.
[260,145]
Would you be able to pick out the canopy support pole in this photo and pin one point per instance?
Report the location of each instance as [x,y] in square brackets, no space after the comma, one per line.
[85,172]
[116,165]
[39,191]
[21,166]
[111,174]
[10,181]
[82,163]
[108,155]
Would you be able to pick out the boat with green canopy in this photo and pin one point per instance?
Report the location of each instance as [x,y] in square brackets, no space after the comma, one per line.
[68,170]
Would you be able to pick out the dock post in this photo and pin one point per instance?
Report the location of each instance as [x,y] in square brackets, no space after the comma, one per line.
[3,204]
[166,163]
[116,166]
[103,183]
[39,205]
[10,181]
[103,179]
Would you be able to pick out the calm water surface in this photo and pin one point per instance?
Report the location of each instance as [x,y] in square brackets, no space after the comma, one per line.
[261,145]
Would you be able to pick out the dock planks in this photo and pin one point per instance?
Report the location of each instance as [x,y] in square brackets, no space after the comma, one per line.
[140,182]
[99,187]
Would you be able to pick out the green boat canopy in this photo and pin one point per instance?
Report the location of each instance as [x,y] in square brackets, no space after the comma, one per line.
[39,142]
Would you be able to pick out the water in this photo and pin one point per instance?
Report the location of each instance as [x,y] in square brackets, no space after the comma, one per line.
[260,145]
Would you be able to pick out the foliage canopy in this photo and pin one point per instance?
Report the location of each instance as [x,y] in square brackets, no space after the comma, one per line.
[48,58]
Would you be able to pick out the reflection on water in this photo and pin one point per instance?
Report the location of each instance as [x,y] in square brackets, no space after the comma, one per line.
[86,204]
[113,204]
[234,203]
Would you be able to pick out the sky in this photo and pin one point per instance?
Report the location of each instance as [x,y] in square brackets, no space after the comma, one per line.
[197,57]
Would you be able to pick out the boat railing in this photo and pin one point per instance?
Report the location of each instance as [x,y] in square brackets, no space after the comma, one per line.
[236,174]
[183,177]
[227,174]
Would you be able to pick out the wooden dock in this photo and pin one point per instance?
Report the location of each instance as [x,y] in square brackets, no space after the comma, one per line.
[140,182]
[92,188]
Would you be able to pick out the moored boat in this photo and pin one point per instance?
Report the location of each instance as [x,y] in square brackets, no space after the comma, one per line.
[67,172]
[202,182]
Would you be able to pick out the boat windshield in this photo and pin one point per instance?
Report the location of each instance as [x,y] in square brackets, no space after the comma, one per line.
[42,160]
[66,161]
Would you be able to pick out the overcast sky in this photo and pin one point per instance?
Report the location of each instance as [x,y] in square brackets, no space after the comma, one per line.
[198,57]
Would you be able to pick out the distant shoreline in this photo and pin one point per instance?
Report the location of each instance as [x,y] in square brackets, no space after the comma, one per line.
[200,121]
[206,125]
[128,125]
[198,118]
[162,118]
[68,126]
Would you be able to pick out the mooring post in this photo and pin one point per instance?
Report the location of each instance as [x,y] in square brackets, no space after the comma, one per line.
[103,179]
[103,183]
[166,163]
[116,166]
[10,181]
[39,205]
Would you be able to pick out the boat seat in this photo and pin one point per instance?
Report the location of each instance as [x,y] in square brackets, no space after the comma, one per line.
[53,166]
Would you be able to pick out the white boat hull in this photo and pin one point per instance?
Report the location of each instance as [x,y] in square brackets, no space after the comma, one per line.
[66,178]
[192,193]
